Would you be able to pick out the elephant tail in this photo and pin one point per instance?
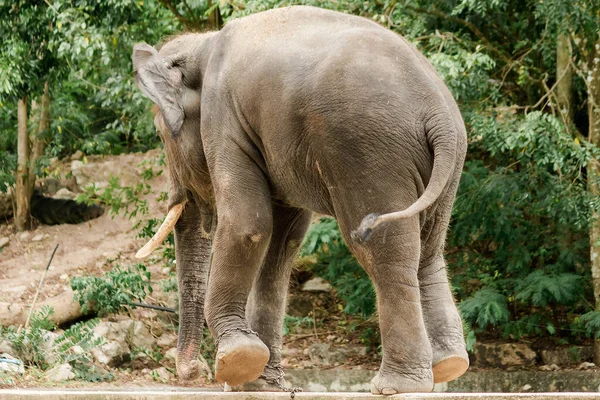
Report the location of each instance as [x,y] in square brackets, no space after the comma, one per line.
[442,137]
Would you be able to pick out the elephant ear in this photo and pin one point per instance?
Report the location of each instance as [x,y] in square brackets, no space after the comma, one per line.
[160,80]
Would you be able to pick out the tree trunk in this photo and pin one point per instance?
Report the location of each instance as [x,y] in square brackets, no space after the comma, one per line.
[593,174]
[38,142]
[214,19]
[564,77]
[22,196]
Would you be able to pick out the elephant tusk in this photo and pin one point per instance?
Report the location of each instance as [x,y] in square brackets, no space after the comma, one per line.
[163,231]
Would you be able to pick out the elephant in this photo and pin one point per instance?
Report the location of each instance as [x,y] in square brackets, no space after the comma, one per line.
[288,112]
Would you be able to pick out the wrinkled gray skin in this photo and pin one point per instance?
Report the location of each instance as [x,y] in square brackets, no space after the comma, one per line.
[297,110]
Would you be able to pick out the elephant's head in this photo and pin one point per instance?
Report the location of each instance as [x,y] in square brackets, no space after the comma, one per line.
[172,79]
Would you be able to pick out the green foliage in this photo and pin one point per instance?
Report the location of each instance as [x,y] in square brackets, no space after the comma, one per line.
[590,322]
[38,347]
[337,265]
[486,307]
[117,289]
[290,323]
[30,345]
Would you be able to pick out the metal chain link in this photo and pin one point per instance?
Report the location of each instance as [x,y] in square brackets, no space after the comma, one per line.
[277,381]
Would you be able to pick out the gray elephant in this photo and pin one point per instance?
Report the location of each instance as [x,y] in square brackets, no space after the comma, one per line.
[287,112]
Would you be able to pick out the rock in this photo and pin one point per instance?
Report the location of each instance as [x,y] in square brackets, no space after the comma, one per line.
[77,169]
[6,347]
[586,365]
[316,285]
[24,235]
[341,354]
[161,374]
[171,354]
[60,373]
[4,241]
[205,368]
[299,305]
[552,367]
[9,364]
[39,237]
[567,355]
[141,336]
[115,331]
[503,355]
[167,340]
[78,155]
[318,353]
[50,346]
[112,353]
[166,270]
[64,194]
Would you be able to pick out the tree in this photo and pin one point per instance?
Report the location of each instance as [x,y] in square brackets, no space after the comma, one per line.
[27,29]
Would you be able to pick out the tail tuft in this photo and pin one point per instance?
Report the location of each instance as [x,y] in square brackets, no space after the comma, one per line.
[363,233]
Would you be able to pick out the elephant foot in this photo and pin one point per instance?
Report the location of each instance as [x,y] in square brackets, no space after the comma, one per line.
[449,368]
[394,383]
[241,358]
[188,371]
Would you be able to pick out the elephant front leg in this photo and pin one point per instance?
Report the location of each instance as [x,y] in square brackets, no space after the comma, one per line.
[193,258]
[243,233]
[266,305]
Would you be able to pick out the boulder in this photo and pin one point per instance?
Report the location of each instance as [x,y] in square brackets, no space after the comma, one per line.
[318,353]
[567,355]
[111,353]
[60,373]
[39,237]
[161,374]
[4,241]
[167,340]
[78,155]
[299,305]
[141,336]
[503,355]
[115,331]
[586,365]
[171,354]
[64,194]
[50,346]
[10,364]
[6,347]
[316,285]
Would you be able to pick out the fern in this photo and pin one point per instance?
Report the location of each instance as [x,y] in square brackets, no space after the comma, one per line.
[486,307]
[541,289]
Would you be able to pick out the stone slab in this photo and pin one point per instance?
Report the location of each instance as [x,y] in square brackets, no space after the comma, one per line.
[212,395]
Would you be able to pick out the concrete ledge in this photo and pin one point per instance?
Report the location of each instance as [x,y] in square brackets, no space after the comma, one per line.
[213,395]
[471,382]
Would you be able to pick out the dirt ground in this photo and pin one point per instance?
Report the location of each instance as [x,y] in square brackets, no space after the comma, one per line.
[83,247]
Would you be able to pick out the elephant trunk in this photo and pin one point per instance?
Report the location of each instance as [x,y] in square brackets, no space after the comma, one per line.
[193,251]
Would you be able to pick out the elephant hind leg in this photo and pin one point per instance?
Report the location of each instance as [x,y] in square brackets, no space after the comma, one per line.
[391,258]
[442,320]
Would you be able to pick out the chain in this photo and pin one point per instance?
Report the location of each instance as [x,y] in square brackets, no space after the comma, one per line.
[229,330]
[277,381]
